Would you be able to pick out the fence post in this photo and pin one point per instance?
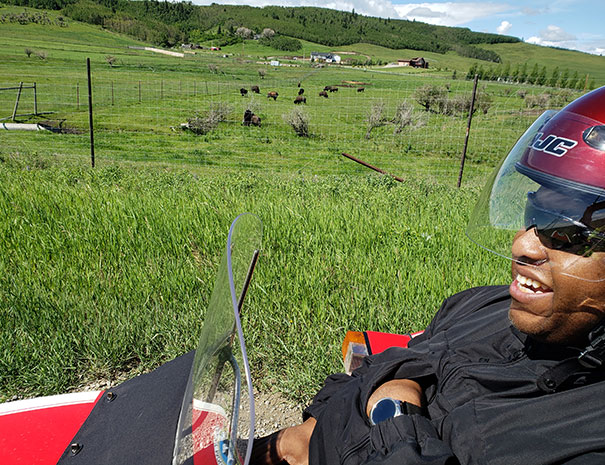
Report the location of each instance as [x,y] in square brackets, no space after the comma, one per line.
[17,101]
[92,137]
[468,129]
[35,100]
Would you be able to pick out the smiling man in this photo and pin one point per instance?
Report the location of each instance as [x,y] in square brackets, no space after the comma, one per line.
[503,374]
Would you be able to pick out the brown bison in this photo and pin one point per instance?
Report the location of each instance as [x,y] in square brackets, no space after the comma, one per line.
[255,89]
[300,99]
[301,91]
[361,89]
[250,119]
[323,93]
[243,91]
[331,88]
[272,95]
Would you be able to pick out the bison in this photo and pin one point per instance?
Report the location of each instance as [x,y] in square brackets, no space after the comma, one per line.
[255,89]
[361,89]
[301,91]
[323,93]
[333,89]
[300,99]
[250,119]
[272,95]
[243,91]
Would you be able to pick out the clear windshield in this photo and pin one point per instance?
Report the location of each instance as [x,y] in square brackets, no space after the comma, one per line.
[511,199]
[216,423]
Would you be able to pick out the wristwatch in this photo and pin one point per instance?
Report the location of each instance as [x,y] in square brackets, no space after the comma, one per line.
[387,407]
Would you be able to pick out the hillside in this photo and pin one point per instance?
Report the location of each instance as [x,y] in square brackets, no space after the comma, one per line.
[167,24]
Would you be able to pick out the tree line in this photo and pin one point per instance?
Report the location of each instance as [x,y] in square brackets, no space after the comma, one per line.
[522,74]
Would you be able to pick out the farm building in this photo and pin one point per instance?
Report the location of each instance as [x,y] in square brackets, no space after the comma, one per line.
[325,57]
[414,63]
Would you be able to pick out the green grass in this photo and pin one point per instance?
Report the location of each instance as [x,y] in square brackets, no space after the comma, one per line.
[108,269]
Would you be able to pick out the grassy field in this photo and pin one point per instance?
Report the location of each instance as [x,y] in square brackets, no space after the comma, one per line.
[141,100]
[109,270]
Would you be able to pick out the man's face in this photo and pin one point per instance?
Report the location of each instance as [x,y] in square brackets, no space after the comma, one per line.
[565,295]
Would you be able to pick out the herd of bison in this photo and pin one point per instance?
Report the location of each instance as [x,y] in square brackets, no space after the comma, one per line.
[250,119]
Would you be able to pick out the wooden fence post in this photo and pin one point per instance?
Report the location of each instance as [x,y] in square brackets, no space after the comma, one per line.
[17,101]
[468,129]
[92,137]
[35,100]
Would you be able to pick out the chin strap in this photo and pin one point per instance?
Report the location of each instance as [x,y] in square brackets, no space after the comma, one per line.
[593,356]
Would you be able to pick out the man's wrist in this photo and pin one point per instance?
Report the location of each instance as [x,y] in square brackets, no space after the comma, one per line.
[387,407]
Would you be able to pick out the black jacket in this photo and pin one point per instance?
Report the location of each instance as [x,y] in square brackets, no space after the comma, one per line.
[494,396]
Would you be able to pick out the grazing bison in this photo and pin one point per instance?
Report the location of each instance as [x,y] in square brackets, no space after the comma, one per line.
[333,89]
[300,99]
[301,91]
[250,119]
[255,89]
[272,95]
[361,89]
[243,91]
[323,93]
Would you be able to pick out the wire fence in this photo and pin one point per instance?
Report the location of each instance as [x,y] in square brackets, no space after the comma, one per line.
[307,118]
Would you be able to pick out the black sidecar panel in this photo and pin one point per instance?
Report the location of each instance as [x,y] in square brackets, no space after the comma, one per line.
[136,423]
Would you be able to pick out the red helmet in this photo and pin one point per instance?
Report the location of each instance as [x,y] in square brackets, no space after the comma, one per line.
[569,150]
[552,180]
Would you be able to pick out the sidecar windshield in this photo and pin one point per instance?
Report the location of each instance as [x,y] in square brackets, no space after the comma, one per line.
[216,423]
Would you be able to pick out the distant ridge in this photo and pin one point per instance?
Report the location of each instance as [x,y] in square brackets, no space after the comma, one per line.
[170,23]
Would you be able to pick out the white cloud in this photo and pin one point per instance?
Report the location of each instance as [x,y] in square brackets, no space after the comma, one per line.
[554,36]
[504,27]
[448,14]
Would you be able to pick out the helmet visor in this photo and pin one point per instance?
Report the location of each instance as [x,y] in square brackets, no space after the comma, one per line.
[563,218]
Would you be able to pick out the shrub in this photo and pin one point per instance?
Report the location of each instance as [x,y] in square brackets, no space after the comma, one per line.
[203,124]
[298,119]
[430,96]
[537,101]
[375,117]
[405,116]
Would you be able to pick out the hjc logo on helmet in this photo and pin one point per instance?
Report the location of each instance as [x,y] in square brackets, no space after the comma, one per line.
[553,145]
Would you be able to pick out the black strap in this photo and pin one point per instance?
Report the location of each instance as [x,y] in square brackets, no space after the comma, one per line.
[554,377]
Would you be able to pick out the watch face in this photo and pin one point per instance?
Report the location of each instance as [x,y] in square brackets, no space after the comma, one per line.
[384,409]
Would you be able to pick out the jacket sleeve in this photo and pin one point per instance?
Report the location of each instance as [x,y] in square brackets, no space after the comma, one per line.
[409,440]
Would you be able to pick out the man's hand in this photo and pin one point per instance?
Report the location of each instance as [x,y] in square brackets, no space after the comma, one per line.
[404,390]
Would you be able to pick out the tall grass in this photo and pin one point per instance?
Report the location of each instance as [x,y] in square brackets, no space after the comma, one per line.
[110,269]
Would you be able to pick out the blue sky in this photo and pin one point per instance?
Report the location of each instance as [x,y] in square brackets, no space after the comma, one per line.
[573,24]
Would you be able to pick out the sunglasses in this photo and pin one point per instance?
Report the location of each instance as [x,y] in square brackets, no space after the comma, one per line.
[560,232]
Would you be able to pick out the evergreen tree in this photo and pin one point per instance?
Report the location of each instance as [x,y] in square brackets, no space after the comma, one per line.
[554,78]
[564,79]
[505,72]
[471,72]
[515,74]
[522,77]
[573,81]
[541,80]
[533,76]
